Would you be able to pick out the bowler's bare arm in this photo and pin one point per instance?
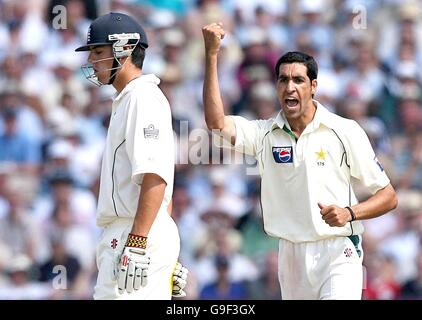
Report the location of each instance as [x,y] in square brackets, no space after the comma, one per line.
[213,104]
[383,201]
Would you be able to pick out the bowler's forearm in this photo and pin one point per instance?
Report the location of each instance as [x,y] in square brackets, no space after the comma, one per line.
[213,104]
[380,203]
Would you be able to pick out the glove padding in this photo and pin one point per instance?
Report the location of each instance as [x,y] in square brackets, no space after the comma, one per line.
[180,275]
[133,269]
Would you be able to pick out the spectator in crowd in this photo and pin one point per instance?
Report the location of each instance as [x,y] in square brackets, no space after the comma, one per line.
[223,288]
[15,147]
[60,262]
[412,289]
[20,284]
[381,283]
[266,286]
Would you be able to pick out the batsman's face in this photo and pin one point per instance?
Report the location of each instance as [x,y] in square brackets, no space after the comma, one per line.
[294,90]
[101,58]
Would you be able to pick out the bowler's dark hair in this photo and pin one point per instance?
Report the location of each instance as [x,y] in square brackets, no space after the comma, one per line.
[299,57]
[138,56]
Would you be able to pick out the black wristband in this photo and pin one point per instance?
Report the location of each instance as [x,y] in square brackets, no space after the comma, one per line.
[351,213]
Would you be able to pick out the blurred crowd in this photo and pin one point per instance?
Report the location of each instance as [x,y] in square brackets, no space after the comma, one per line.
[53,125]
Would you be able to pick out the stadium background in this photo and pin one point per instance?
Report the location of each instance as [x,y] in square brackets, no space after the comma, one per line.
[53,124]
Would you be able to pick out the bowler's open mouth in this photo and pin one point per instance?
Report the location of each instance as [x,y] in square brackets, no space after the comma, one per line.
[291,102]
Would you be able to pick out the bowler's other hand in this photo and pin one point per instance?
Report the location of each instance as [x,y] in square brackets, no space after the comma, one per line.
[213,33]
[334,216]
[180,275]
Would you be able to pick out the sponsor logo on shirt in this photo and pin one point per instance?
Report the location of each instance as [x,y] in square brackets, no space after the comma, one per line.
[150,132]
[283,154]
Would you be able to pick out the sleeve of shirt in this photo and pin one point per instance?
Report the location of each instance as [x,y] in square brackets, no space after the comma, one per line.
[247,135]
[363,162]
[149,136]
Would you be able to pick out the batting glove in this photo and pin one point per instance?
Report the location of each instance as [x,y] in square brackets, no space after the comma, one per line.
[180,275]
[133,265]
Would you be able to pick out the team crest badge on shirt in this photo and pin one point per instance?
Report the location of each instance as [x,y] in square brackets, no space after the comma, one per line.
[283,154]
[151,132]
[321,157]
[348,252]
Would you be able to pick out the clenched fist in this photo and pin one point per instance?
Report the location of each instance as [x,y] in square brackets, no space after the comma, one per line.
[213,33]
[334,216]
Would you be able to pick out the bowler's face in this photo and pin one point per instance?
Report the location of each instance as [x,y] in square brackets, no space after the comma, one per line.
[294,90]
[101,59]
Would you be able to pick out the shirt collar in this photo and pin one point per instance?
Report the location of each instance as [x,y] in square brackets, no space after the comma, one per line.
[322,117]
[279,121]
[143,78]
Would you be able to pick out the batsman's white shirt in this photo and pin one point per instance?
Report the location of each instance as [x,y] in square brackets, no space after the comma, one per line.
[318,167]
[139,140]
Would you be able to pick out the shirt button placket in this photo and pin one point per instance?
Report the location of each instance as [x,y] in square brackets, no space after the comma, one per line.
[297,148]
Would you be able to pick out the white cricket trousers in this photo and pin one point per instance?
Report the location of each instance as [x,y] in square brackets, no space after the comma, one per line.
[328,269]
[164,247]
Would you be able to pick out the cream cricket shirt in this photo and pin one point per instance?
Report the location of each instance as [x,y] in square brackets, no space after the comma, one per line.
[139,140]
[296,175]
